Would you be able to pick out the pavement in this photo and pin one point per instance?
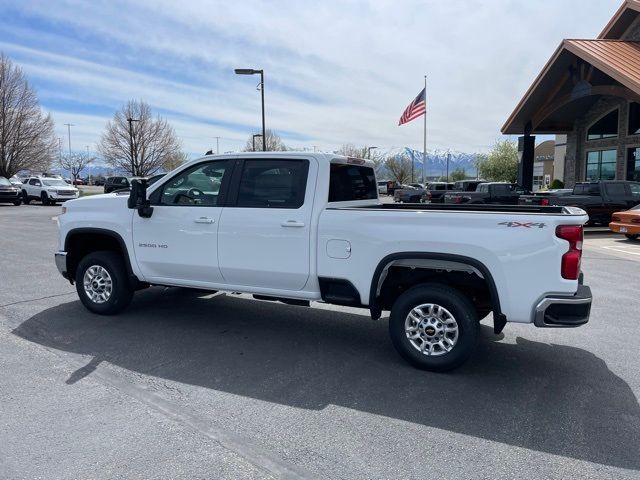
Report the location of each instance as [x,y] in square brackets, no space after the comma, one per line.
[186,384]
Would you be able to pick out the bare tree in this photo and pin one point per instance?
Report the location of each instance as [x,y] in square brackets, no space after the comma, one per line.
[27,140]
[399,166]
[174,161]
[140,147]
[75,163]
[274,143]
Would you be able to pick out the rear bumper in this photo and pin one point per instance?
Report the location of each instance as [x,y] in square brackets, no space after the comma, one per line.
[61,263]
[565,312]
[628,228]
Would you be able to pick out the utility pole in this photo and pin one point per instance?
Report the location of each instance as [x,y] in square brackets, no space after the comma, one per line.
[133,166]
[217,145]
[448,157]
[69,125]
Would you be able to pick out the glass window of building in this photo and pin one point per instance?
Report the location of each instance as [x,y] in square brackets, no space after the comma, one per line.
[601,165]
[634,118]
[633,164]
[606,127]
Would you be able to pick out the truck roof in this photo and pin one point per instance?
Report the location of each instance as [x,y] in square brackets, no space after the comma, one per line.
[320,157]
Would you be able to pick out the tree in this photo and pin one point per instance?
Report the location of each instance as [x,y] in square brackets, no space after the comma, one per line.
[501,165]
[75,163]
[274,143]
[154,141]
[400,167]
[556,184]
[174,161]
[458,175]
[27,140]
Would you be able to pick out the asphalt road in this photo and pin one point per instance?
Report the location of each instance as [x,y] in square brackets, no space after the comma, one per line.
[190,385]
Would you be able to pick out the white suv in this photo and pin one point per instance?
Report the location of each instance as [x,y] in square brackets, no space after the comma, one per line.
[48,190]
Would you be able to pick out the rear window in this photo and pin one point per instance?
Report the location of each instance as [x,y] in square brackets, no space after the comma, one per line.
[351,182]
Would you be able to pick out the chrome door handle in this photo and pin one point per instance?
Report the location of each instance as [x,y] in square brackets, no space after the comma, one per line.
[204,220]
[292,223]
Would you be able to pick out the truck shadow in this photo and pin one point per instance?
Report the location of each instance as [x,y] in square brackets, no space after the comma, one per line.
[549,398]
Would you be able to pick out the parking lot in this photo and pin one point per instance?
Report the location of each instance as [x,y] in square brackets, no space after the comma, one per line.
[185,384]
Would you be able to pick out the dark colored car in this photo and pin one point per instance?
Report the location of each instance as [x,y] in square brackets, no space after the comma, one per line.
[434,193]
[489,193]
[112,184]
[98,181]
[9,193]
[601,199]
[467,185]
[543,198]
[408,193]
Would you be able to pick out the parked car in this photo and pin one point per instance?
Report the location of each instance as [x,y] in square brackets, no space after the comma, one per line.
[434,193]
[112,184]
[627,222]
[17,181]
[48,190]
[467,185]
[499,193]
[296,228]
[383,188]
[408,194]
[78,181]
[9,193]
[98,181]
[601,199]
[543,198]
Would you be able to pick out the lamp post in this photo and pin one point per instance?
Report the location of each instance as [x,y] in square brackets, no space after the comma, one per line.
[131,120]
[251,71]
[448,158]
[253,140]
[369,151]
[69,125]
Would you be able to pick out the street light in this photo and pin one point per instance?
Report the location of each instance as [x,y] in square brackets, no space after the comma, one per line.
[251,71]
[131,120]
[69,125]
[369,151]
[253,140]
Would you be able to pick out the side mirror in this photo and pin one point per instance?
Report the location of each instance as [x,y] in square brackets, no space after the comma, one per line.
[138,198]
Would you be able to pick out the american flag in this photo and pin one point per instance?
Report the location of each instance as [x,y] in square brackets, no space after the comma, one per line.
[415,109]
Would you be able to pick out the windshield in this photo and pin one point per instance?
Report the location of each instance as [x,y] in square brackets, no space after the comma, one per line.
[4,181]
[54,182]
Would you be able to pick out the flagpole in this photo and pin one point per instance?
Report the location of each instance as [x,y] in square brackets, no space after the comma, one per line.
[424,145]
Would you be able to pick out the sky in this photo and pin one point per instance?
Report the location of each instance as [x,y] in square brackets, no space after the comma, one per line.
[335,71]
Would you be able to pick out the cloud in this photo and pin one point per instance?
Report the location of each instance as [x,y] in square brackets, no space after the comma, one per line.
[336,72]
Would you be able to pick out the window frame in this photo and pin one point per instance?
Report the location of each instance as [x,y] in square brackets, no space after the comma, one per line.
[236,179]
[608,137]
[600,151]
[155,196]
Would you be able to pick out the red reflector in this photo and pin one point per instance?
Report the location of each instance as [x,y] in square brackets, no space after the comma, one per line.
[570,265]
[544,202]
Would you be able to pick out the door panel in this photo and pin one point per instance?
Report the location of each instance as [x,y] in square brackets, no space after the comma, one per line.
[263,240]
[179,241]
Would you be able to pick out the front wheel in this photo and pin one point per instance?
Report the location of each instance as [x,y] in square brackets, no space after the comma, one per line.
[18,202]
[25,197]
[44,198]
[102,283]
[632,236]
[434,327]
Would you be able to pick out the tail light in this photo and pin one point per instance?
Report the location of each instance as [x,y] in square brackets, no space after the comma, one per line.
[544,202]
[429,196]
[570,266]
[635,220]
[615,219]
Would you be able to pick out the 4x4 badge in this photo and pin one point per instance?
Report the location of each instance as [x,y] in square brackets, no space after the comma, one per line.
[525,225]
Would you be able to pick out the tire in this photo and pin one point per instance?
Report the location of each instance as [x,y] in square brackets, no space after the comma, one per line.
[44,198]
[414,199]
[453,309]
[121,291]
[632,236]
[25,197]
[17,203]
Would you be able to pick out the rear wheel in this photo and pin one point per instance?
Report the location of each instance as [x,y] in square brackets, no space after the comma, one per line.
[25,197]
[434,327]
[102,283]
[630,236]
[44,198]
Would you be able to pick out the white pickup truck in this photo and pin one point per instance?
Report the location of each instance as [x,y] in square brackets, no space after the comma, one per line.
[302,227]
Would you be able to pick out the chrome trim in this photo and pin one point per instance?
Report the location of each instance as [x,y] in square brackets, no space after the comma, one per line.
[61,262]
[545,303]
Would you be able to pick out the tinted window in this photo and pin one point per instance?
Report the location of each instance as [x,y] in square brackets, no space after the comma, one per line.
[578,190]
[196,186]
[634,118]
[615,189]
[351,182]
[34,181]
[606,127]
[593,190]
[273,183]
[635,189]
[501,190]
